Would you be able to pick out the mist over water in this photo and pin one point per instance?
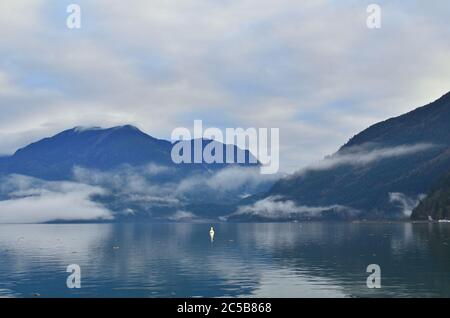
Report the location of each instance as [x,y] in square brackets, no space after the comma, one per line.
[246,260]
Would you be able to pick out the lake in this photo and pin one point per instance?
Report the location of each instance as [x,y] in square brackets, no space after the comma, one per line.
[244,260]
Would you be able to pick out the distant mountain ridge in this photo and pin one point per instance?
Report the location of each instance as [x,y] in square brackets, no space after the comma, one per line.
[413,153]
[129,174]
[428,123]
[55,157]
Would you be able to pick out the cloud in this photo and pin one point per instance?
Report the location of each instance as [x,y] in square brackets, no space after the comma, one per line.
[311,68]
[365,154]
[275,207]
[182,216]
[154,169]
[231,178]
[156,185]
[236,177]
[407,204]
[35,201]
[140,185]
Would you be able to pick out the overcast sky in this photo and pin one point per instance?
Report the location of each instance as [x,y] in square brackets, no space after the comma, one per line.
[311,68]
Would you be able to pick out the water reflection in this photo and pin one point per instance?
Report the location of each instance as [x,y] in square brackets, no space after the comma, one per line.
[261,260]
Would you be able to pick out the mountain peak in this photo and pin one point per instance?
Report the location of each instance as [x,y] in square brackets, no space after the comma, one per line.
[126,127]
[425,124]
[94,128]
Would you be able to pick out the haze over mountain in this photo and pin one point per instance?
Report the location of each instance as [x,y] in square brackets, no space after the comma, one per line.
[119,173]
[382,172]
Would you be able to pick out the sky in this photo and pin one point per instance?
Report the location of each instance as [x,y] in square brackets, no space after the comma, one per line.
[313,69]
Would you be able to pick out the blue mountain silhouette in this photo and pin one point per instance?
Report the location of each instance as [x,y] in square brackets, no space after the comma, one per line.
[102,149]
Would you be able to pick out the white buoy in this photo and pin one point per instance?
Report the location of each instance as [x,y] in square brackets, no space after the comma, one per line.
[211,234]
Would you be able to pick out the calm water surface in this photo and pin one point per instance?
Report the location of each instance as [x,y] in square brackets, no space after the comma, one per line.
[248,260]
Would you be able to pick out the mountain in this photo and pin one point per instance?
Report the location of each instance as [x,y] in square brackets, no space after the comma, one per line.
[437,204]
[54,158]
[424,124]
[124,173]
[378,173]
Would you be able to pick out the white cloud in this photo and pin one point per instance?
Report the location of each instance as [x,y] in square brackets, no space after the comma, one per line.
[228,179]
[363,155]
[144,185]
[182,216]
[407,204]
[276,207]
[311,68]
[37,201]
